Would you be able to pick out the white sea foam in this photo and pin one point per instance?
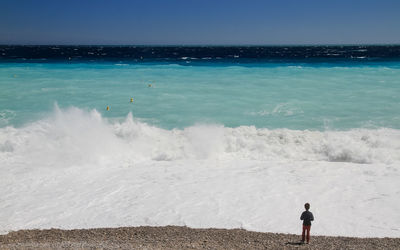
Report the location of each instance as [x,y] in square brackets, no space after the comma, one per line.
[77,169]
[66,131]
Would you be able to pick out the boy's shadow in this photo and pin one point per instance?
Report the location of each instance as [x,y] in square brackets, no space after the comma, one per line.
[297,243]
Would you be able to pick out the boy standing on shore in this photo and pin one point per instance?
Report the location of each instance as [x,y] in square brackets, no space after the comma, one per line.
[306,217]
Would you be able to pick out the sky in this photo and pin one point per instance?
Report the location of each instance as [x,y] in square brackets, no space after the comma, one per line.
[199,22]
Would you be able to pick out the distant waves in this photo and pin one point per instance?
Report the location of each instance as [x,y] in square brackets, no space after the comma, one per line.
[240,54]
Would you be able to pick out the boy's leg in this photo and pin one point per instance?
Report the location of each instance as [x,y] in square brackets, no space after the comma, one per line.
[303,235]
[308,228]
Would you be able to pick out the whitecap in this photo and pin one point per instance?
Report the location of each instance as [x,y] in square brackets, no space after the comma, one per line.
[60,135]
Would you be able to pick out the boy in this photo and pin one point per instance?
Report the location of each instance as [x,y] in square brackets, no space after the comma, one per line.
[306,217]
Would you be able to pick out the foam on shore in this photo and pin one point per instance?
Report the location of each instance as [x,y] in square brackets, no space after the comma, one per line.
[76,169]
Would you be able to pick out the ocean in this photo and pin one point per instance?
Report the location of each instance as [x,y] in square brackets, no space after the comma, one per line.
[208,136]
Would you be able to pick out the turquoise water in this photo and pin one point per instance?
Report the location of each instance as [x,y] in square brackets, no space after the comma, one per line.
[269,95]
[257,129]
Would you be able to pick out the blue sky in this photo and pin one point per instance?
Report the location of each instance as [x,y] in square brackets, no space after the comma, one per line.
[198,22]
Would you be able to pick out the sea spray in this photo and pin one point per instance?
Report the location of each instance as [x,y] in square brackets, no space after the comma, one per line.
[73,137]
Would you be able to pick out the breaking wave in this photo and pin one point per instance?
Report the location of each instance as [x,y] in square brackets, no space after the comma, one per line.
[75,137]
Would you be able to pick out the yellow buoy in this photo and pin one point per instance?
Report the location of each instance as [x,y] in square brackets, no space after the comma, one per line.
[131,99]
[108,108]
[150,85]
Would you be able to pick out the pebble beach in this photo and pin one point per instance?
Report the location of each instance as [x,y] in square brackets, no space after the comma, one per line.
[174,237]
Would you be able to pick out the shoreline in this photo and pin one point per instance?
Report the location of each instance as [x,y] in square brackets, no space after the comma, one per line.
[177,237]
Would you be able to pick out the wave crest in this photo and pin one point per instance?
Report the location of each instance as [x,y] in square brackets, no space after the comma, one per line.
[73,137]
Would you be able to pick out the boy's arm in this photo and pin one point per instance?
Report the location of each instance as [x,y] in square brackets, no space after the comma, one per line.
[312,217]
[302,216]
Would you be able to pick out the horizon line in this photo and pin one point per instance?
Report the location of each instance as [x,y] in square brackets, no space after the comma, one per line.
[208,45]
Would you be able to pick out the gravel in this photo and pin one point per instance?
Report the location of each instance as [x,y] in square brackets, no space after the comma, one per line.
[173,237]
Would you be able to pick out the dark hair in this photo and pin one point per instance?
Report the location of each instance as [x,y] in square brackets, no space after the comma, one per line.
[307,206]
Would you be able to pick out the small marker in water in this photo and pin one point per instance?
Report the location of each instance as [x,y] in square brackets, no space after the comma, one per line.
[108,108]
[150,85]
[131,99]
